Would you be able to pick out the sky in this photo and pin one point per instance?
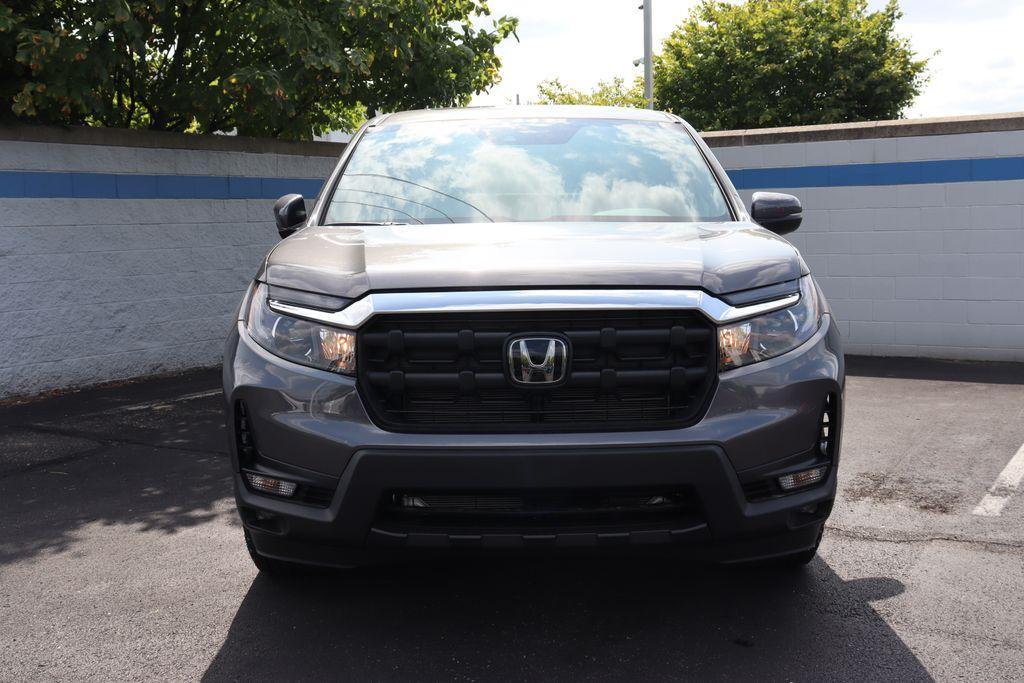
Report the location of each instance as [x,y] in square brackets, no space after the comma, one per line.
[977,63]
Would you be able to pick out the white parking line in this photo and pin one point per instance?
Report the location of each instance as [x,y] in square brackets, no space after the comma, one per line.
[1002,490]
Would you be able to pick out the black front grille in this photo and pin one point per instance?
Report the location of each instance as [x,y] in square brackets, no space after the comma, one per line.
[533,510]
[447,372]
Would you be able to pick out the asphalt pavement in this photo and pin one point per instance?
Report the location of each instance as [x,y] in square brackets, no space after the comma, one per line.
[121,557]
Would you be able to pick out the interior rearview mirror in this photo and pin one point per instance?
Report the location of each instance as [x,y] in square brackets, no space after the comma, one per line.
[290,214]
[780,213]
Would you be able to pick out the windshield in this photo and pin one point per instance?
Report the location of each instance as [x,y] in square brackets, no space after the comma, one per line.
[526,170]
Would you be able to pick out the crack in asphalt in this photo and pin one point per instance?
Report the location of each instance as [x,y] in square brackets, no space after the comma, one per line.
[993,545]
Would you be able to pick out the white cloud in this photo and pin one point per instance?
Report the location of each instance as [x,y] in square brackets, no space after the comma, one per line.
[979,66]
[979,69]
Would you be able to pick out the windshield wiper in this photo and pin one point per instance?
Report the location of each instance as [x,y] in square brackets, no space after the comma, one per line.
[378,206]
[401,199]
[429,189]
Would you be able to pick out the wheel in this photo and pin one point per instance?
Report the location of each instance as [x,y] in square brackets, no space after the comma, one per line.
[268,565]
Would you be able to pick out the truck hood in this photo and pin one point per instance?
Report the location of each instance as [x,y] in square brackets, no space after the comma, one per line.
[351,261]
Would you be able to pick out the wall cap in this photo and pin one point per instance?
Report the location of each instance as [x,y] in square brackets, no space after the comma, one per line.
[950,125]
[123,137]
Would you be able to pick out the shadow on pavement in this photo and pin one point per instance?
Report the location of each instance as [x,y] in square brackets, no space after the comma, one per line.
[161,466]
[153,489]
[982,372]
[555,620]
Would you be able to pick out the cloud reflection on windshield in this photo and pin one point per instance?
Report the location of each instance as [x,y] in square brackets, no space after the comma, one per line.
[527,170]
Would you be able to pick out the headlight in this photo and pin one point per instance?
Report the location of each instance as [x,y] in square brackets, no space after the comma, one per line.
[772,334]
[300,341]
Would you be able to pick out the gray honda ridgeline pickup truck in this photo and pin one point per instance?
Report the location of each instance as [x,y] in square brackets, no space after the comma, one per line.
[533,329]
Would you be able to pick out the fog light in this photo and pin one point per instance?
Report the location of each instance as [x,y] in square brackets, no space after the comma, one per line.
[412,502]
[266,484]
[799,480]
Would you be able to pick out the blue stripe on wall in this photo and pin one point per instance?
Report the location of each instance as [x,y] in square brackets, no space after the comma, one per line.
[895,173]
[38,184]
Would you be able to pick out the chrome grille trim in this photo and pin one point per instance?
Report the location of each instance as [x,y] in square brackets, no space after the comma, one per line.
[358,312]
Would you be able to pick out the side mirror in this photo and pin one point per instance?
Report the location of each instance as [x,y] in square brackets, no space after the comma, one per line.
[290,214]
[780,213]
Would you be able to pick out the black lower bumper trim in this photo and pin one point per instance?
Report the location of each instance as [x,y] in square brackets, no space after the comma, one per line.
[398,539]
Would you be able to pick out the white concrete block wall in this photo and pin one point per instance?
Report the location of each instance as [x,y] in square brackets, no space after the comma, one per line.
[930,269]
[100,289]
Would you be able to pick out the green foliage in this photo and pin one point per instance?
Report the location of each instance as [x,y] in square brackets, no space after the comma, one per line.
[613,93]
[282,68]
[768,63]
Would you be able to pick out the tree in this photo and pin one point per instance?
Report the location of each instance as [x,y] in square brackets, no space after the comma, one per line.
[787,62]
[612,93]
[283,68]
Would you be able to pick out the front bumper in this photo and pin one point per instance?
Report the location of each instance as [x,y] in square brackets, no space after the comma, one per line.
[310,426]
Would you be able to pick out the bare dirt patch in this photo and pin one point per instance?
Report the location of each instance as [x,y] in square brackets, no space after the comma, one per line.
[928,495]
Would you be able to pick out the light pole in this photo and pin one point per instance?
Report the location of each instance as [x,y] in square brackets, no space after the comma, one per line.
[648,48]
